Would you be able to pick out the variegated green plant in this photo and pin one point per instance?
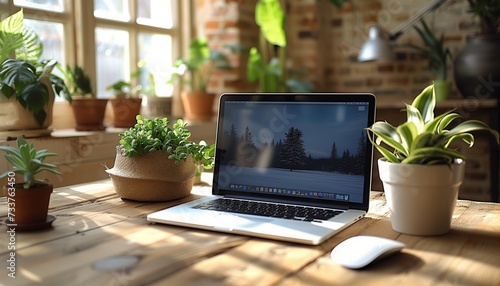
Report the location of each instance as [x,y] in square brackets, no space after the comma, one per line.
[423,138]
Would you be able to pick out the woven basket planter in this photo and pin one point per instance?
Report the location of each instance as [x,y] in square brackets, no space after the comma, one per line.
[152,177]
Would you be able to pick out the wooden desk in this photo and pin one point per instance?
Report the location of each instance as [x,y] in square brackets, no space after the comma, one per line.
[98,239]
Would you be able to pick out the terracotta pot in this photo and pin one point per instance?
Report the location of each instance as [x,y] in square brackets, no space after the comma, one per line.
[152,177]
[89,113]
[198,106]
[421,198]
[30,205]
[125,111]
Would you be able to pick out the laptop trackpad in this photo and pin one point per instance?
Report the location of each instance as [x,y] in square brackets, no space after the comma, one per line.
[229,222]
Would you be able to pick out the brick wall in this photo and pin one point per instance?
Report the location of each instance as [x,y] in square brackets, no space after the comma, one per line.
[325,41]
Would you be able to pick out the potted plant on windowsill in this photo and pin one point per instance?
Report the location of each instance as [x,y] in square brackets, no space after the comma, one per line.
[88,110]
[126,104]
[27,87]
[158,162]
[154,105]
[31,197]
[194,73]
[421,170]
[30,94]
[438,56]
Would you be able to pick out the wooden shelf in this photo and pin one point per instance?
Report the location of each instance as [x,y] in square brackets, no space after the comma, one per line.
[394,103]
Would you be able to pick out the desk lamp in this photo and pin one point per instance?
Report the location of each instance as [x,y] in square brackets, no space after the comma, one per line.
[378,45]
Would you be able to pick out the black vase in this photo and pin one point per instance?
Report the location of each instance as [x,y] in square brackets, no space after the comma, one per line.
[477,68]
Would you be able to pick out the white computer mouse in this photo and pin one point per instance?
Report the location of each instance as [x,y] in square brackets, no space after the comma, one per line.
[359,251]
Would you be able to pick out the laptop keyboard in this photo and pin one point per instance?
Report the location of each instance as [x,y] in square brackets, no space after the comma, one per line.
[269,209]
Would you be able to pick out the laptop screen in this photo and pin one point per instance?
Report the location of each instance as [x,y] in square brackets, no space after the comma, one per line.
[310,148]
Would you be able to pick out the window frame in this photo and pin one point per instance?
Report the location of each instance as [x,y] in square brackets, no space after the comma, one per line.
[79,42]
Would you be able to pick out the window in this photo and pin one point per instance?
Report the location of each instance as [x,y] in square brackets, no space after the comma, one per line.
[48,19]
[143,34]
[108,38]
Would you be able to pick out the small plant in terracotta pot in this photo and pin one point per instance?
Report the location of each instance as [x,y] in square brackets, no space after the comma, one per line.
[193,73]
[28,201]
[88,110]
[127,104]
[158,162]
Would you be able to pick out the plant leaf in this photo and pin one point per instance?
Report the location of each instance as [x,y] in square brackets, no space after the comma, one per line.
[446,120]
[32,47]
[472,125]
[15,160]
[425,139]
[11,37]
[254,65]
[408,132]
[432,154]
[414,116]
[433,125]
[425,102]
[270,18]
[386,153]
[17,74]
[466,137]
[388,134]
[50,169]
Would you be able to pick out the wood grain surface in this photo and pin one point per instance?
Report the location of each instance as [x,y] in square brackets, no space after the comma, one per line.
[98,239]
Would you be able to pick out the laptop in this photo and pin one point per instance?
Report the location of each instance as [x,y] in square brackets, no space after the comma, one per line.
[288,166]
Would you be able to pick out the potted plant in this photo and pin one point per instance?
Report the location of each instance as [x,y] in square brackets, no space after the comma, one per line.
[438,56]
[28,201]
[421,170]
[88,110]
[27,87]
[156,162]
[29,90]
[475,69]
[126,105]
[194,73]
[267,63]
[154,105]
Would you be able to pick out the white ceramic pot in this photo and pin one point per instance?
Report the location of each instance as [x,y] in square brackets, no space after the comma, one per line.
[421,198]
[156,106]
[15,117]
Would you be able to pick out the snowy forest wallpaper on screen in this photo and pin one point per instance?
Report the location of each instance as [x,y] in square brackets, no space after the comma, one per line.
[316,145]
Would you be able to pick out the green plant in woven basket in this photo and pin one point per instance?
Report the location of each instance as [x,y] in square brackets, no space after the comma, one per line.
[150,135]
[423,138]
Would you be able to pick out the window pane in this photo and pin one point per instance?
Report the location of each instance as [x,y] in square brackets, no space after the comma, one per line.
[112,9]
[52,36]
[155,51]
[157,13]
[49,5]
[112,53]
